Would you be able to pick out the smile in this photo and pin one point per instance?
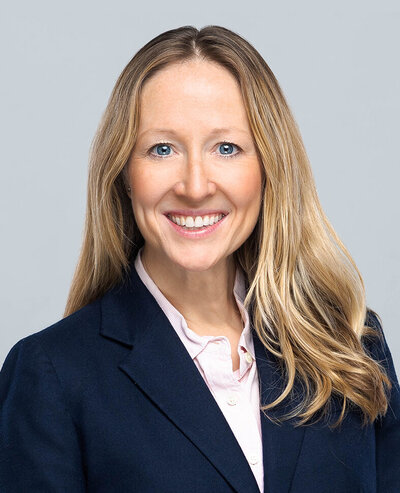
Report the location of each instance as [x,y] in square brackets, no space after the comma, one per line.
[197,222]
[196,227]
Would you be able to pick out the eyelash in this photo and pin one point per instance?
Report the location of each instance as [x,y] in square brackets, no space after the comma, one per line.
[169,144]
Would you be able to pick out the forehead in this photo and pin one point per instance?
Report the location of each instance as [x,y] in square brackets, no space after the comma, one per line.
[191,93]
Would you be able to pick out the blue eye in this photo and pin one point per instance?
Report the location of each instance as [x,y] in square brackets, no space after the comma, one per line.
[164,149]
[227,148]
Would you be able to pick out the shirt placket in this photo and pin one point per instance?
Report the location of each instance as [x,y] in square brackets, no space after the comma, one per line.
[233,398]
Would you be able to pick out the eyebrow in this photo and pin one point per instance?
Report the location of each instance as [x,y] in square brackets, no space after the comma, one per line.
[214,131]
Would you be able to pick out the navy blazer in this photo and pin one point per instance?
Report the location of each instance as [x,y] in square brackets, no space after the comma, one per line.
[109,400]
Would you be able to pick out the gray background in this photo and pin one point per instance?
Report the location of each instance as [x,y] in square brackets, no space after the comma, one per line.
[337,63]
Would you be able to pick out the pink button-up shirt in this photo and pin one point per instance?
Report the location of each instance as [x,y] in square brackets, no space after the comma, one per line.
[236,392]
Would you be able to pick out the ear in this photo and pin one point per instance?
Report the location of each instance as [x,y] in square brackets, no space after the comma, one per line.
[125,178]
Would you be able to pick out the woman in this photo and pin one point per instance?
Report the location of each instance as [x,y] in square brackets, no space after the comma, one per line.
[216,336]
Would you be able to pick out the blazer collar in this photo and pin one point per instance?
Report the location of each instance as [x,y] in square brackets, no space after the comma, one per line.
[131,316]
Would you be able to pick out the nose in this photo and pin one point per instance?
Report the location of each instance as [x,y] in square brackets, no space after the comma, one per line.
[195,183]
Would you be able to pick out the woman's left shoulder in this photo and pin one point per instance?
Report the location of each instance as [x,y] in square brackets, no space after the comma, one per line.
[378,348]
[377,345]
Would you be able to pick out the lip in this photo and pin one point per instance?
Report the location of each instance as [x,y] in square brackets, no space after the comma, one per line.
[193,212]
[199,233]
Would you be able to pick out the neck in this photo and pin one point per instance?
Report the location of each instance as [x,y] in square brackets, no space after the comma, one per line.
[205,299]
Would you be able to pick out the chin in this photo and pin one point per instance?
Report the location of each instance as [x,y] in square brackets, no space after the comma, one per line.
[194,262]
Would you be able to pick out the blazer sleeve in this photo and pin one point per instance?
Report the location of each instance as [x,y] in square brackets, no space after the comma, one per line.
[39,448]
[387,428]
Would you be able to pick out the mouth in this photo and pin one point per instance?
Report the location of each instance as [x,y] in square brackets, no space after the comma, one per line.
[197,222]
[196,226]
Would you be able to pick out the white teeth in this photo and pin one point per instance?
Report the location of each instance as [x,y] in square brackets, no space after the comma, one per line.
[197,222]
[189,222]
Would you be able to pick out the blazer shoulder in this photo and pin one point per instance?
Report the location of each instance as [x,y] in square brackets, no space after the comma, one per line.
[68,336]
[76,328]
[375,343]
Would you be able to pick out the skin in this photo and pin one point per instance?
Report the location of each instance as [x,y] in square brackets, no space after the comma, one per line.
[195,275]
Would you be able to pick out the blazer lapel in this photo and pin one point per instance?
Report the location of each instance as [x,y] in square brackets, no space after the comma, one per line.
[161,366]
[281,443]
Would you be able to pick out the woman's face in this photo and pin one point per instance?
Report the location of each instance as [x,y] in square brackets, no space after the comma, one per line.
[194,160]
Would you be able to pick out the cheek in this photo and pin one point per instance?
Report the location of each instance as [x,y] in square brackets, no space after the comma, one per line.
[246,191]
[147,188]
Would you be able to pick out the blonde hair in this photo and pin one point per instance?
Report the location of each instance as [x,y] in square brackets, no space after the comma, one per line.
[302,282]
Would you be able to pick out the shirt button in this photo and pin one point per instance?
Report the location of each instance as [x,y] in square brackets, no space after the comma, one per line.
[253,459]
[248,357]
[232,400]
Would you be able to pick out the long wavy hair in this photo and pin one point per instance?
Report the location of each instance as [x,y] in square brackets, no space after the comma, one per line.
[305,294]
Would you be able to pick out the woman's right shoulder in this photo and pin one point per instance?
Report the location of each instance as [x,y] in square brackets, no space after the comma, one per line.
[73,334]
